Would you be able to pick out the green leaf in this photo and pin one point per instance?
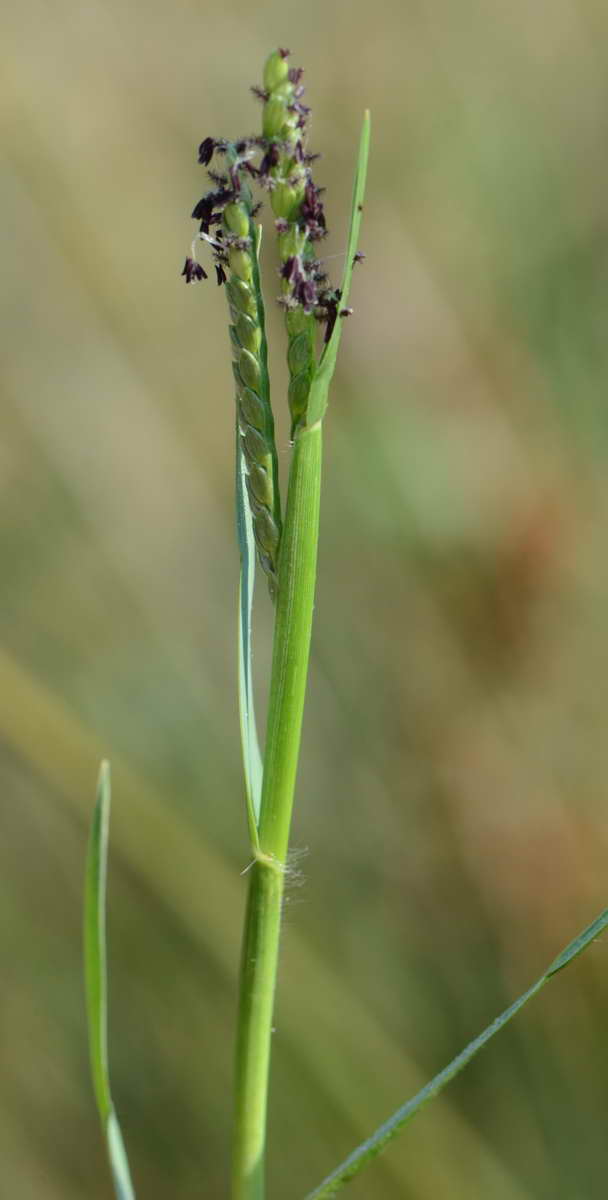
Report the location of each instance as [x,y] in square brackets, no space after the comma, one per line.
[252,759]
[369,1149]
[96,984]
[579,944]
[319,391]
[118,1160]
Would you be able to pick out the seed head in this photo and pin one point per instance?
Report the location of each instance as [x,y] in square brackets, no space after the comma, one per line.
[285,171]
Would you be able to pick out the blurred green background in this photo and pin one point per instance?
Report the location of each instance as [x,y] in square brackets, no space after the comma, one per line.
[451,812]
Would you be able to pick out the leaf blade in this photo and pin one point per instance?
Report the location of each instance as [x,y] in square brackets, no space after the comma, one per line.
[250,745]
[252,758]
[95,960]
[372,1146]
[317,402]
[95,944]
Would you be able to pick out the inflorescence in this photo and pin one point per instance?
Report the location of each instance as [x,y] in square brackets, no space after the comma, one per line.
[284,171]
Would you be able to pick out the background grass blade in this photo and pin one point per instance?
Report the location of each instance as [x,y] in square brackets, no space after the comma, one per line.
[96,984]
[252,759]
[323,375]
[369,1149]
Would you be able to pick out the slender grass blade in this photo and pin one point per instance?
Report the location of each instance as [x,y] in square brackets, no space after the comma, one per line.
[317,403]
[369,1149]
[252,759]
[96,984]
[118,1160]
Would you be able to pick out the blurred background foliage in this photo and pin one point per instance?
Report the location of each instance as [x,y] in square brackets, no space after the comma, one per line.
[451,817]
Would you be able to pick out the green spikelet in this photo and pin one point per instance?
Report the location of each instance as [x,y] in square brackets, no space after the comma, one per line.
[283,132]
[248,341]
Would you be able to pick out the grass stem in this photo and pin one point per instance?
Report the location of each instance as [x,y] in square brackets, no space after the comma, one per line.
[297,571]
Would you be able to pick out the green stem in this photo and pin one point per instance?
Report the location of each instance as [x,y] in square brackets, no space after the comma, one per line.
[297,571]
[256,995]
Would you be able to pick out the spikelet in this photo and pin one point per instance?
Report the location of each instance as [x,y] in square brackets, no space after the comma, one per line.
[235,249]
[300,221]
[255,418]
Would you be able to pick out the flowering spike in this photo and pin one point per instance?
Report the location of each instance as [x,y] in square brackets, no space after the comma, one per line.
[285,170]
[226,224]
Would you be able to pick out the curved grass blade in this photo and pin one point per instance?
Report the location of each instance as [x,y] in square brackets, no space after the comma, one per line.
[369,1149]
[96,984]
[252,759]
[317,402]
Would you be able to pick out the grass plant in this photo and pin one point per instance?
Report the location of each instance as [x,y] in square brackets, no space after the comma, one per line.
[284,544]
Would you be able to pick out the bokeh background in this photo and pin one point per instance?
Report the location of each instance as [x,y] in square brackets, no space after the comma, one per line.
[451,827]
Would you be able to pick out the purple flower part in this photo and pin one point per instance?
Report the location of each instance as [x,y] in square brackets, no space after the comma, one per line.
[291,269]
[284,53]
[251,170]
[235,180]
[330,319]
[205,151]
[256,208]
[270,159]
[260,93]
[329,302]
[281,225]
[310,158]
[359,256]
[295,74]
[346,312]
[204,209]
[298,152]
[312,213]
[306,294]
[193,271]
[311,194]
[221,274]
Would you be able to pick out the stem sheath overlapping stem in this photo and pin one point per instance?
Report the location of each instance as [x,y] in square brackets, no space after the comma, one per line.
[293,625]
